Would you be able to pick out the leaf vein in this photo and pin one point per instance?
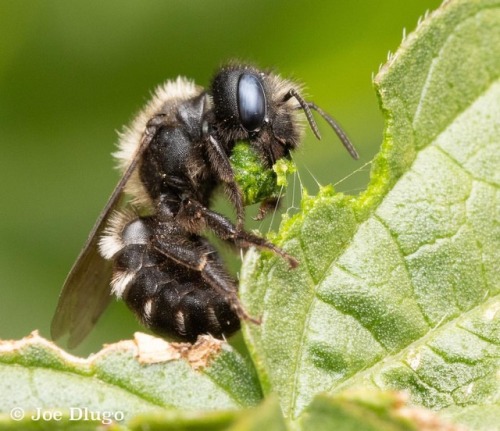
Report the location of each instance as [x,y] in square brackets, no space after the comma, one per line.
[405,267]
[302,341]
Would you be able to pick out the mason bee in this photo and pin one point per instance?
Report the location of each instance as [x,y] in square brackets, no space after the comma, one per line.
[151,250]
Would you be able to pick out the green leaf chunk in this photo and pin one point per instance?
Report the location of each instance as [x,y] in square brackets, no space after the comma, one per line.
[258,183]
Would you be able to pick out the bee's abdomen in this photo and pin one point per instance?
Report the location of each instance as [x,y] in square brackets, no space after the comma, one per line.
[170,298]
[176,308]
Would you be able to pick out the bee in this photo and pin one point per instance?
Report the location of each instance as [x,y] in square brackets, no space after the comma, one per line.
[150,250]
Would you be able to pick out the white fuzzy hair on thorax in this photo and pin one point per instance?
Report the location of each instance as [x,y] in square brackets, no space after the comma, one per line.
[179,89]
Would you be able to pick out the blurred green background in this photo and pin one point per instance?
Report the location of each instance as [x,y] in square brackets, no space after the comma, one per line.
[73,73]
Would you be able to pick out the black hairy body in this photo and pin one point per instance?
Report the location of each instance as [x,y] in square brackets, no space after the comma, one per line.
[174,157]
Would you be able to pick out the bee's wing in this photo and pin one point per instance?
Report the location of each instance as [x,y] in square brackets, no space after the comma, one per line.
[86,292]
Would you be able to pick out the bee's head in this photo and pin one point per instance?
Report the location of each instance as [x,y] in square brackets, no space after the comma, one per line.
[265,109]
[250,104]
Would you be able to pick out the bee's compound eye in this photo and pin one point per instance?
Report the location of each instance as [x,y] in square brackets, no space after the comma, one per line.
[251,102]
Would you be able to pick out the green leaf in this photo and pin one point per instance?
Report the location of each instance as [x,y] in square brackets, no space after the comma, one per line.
[369,411]
[34,373]
[398,288]
[267,416]
[182,421]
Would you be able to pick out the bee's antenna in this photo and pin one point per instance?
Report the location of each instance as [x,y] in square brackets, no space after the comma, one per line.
[307,106]
[337,129]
